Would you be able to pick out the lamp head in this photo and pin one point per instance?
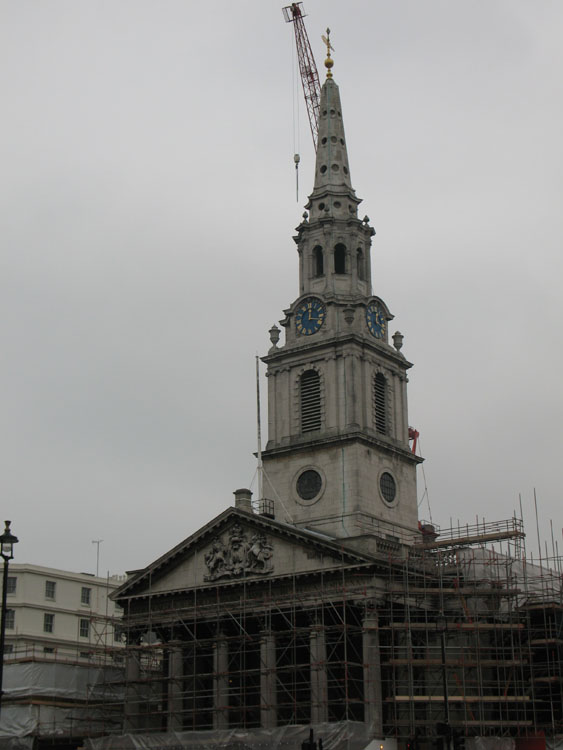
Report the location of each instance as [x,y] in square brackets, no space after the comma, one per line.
[7,541]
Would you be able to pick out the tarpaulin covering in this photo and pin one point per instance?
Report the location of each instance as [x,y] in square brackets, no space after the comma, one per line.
[340,736]
[489,743]
[56,680]
[16,743]
[18,721]
[38,685]
[39,720]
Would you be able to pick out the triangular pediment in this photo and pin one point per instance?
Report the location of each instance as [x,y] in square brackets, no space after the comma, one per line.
[239,546]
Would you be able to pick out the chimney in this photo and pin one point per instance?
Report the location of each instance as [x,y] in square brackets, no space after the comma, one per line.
[243,500]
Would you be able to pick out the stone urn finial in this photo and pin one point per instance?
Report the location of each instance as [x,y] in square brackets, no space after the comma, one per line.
[274,335]
[398,340]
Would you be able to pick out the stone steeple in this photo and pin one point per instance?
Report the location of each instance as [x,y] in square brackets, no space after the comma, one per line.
[333,195]
[337,457]
[332,171]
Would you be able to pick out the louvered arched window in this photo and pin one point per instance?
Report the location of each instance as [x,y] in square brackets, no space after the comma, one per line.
[310,401]
[380,403]
[339,258]
[318,261]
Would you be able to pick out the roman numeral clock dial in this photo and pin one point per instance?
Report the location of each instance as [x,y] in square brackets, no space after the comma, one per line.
[309,316]
[376,322]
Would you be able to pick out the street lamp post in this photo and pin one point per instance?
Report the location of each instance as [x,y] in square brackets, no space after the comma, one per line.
[7,541]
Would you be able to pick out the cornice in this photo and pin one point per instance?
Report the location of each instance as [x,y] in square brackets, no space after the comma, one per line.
[314,348]
[326,441]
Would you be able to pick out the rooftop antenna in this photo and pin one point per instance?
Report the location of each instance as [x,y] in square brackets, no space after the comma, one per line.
[97,542]
[259,470]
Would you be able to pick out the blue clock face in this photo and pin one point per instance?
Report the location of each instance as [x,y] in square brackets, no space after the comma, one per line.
[309,316]
[375,318]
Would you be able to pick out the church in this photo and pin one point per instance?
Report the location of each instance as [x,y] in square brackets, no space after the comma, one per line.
[324,605]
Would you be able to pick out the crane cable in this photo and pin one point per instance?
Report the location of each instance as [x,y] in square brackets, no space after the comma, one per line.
[425,493]
[295,100]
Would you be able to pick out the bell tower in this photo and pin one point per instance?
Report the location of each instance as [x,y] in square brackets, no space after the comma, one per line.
[337,457]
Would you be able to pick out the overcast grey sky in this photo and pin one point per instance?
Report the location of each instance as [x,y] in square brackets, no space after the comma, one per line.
[146,217]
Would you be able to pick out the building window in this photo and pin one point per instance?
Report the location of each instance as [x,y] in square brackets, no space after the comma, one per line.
[339,258]
[388,487]
[48,650]
[85,595]
[117,633]
[10,619]
[84,628]
[50,589]
[11,585]
[48,623]
[85,655]
[309,484]
[318,261]
[380,403]
[310,397]
[9,648]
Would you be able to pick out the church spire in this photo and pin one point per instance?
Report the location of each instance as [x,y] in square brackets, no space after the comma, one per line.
[332,171]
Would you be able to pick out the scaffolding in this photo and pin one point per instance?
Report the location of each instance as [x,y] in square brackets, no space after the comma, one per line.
[57,696]
[459,633]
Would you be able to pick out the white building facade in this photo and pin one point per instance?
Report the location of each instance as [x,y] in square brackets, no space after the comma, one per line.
[58,614]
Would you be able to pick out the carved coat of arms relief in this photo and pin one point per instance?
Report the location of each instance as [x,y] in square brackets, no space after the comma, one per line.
[238,555]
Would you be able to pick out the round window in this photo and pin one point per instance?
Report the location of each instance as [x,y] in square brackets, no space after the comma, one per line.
[388,487]
[309,484]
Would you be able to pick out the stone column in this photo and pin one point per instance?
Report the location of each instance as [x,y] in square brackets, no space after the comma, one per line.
[352,383]
[175,688]
[404,416]
[319,682]
[131,709]
[353,256]
[268,697]
[334,396]
[372,673]
[221,683]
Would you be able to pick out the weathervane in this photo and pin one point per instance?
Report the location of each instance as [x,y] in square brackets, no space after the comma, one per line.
[329,61]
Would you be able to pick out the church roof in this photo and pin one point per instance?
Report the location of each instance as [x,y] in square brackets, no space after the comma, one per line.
[260,550]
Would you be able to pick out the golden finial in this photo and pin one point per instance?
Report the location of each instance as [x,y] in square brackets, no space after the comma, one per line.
[329,61]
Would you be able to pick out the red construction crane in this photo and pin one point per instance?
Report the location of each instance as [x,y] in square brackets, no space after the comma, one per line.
[413,435]
[307,67]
